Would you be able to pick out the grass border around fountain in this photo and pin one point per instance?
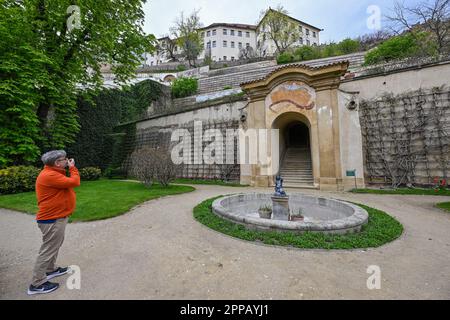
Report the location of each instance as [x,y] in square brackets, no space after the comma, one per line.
[381,229]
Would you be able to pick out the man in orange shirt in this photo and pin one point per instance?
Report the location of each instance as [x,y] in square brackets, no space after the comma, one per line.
[56,201]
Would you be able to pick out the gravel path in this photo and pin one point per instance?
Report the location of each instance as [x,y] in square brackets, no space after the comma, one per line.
[158,251]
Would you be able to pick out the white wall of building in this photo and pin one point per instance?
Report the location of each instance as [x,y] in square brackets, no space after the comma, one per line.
[225,41]
[308,37]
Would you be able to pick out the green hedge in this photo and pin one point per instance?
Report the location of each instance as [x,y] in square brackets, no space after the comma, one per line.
[100,142]
[401,47]
[18,179]
[184,87]
[90,173]
[305,53]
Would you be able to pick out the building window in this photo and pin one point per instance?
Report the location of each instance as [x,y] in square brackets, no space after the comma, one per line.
[308,42]
[203,34]
[225,32]
[208,45]
[224,44]
[214,32]
[247,34]
[214,44]
[301,40]
[208,33]
[300,28]
[239,33]
[240,45]
[232,32]
[232,44]
[247,45]
[314,44]
[224,58]
[232,58]
[307,32]
[314,34]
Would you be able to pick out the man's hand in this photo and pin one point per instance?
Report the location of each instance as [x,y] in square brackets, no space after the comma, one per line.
[71,163]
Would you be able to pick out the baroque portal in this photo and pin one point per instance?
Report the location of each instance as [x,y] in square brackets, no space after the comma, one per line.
[303,103]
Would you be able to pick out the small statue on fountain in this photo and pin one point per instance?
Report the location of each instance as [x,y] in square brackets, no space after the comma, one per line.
[279,192]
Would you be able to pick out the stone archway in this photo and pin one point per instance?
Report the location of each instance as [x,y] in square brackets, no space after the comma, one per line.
[169,78]
[292,95]
[296,135]
[295,150]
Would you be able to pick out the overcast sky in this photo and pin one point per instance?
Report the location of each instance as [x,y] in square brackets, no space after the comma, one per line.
[340,19]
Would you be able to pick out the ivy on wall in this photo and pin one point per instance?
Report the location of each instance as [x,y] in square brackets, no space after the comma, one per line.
[100,141]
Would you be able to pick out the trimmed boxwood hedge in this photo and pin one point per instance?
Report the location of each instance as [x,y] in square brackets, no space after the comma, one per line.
[18,179]
[90,173]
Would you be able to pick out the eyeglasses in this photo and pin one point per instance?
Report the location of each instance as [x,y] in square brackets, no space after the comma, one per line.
[63,159]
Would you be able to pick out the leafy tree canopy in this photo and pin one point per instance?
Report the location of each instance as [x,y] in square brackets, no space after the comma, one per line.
[51,48]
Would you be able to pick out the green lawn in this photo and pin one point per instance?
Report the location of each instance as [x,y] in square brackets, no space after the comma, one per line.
[97,200]
[405,191]
[444,205]
[381,229]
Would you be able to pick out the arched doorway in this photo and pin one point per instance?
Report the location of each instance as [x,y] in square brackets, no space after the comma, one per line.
[297,135]
[296,167]
[299,93]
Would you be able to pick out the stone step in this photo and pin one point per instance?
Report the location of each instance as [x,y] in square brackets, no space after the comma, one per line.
[217,83]
[299,186]
[296,160]
[297,177]
[297,163]
[296,172]
[291,179]
[299,181]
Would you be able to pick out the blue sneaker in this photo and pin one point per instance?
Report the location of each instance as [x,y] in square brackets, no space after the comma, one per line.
[43,288]
[58,272]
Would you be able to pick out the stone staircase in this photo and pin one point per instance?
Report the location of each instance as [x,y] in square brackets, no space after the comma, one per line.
[296,168]
[219,79]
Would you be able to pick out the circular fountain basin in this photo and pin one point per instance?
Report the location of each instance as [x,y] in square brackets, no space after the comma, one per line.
[320,214]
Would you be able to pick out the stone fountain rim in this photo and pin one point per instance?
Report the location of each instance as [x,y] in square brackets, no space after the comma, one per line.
[353,222]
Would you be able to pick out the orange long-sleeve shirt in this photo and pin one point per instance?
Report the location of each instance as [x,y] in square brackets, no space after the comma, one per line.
[54,191]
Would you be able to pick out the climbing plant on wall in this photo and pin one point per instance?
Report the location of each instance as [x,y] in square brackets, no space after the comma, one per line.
[406,138]
[99,141]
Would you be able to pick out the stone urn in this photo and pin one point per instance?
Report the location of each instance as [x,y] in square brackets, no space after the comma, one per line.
[265,212]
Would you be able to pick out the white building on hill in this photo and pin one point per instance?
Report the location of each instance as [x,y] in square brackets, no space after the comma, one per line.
[224,41]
